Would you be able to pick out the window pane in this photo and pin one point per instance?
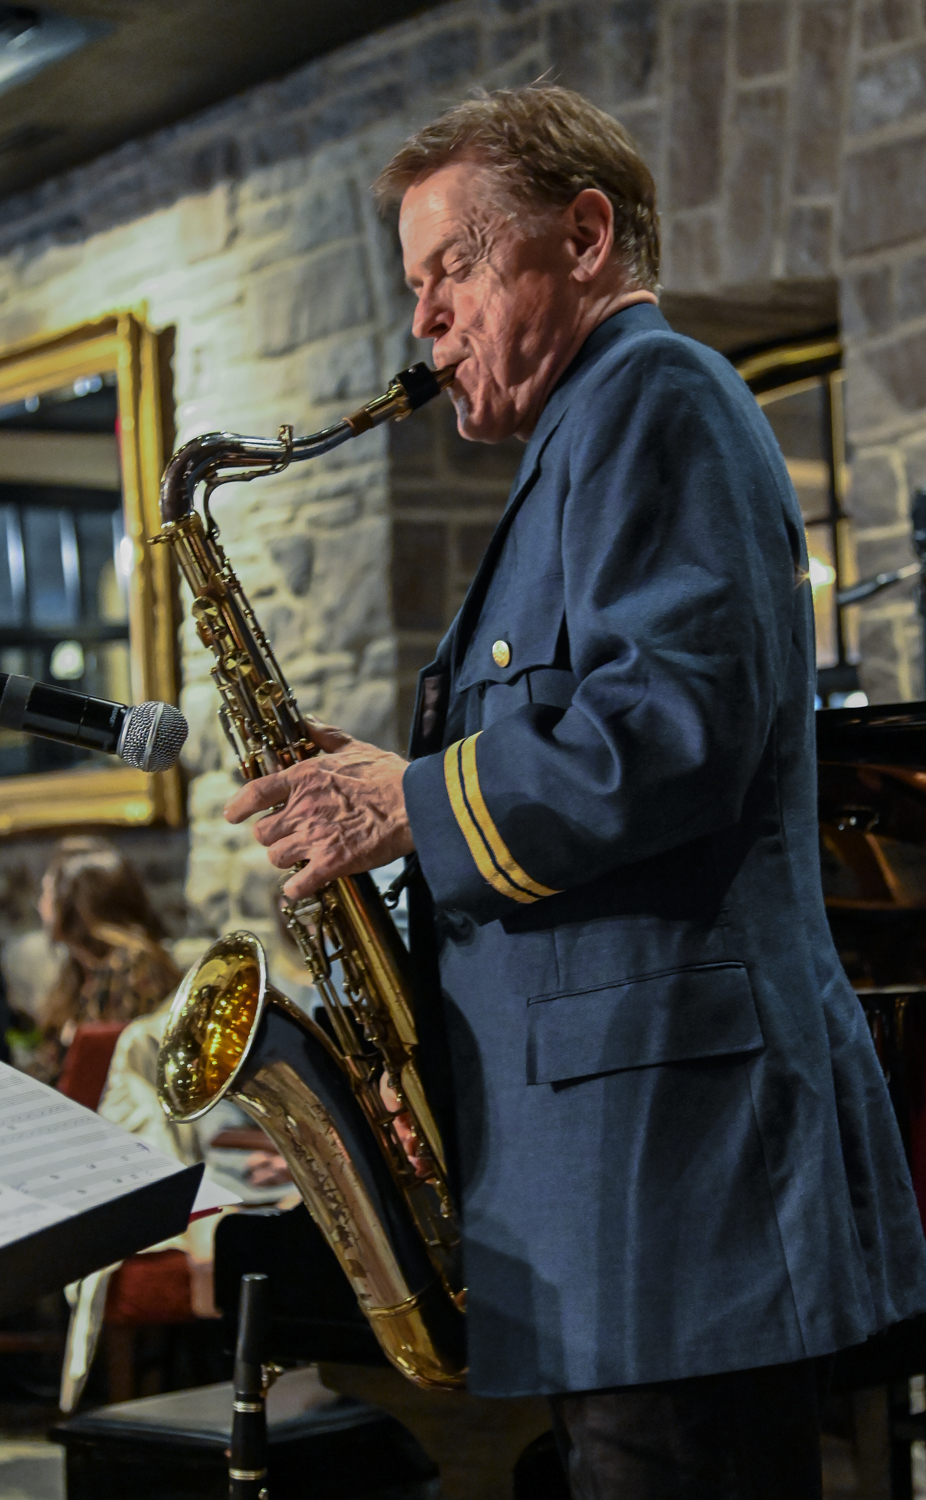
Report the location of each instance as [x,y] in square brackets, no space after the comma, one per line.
[103,599]
[51,566]
[798,421]
[63,581]
[114,672]
[12,577]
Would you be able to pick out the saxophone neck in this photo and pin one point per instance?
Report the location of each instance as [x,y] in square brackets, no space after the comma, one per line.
[203,459]
[220,457]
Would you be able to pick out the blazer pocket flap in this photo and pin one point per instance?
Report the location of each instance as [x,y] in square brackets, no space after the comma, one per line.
[680,1016]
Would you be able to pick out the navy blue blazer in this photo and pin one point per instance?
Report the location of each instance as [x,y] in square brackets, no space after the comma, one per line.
[676,1151]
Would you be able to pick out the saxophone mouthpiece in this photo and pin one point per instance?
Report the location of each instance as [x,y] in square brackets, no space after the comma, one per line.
[409,390]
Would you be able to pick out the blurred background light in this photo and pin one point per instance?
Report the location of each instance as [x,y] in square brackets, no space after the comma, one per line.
[67,661]
[821,574]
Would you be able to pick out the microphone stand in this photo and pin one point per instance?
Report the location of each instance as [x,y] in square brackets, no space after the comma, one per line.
[247,1465]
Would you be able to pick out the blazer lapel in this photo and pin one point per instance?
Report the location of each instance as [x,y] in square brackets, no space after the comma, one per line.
[640,316]
[523,484]
[434,681]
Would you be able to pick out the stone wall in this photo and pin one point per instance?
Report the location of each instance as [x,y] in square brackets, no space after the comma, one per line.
[882,257]
[788,138]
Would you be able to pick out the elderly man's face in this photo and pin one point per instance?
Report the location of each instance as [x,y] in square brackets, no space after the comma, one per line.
[498,302]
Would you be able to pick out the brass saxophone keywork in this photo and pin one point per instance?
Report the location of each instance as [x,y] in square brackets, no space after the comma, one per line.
[315,1090]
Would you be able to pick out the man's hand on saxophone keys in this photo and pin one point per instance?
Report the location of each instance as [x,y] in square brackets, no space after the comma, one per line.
[342,812]
[404,1128]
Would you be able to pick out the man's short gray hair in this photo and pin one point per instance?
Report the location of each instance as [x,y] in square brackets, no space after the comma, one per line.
[543,144]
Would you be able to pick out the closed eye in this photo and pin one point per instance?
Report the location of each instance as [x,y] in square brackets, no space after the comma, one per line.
[459,267]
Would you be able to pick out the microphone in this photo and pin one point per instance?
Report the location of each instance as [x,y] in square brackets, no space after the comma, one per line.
[148,736]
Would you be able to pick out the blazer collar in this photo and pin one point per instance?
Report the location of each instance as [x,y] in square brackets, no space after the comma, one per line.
[638,318]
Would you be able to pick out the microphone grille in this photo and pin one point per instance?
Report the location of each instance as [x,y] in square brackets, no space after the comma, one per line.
[152,736]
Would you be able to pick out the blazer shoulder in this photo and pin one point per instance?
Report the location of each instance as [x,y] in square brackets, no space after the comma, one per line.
[660,373]
[664,349]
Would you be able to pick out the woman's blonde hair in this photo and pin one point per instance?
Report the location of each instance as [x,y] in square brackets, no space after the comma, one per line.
[543,145]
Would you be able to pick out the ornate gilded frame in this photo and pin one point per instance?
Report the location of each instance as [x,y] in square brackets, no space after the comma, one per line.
[124,345]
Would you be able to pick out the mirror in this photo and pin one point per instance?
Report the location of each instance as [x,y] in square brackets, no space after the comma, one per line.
[84,601]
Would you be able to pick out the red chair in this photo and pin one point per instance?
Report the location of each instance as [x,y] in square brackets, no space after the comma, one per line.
[83,1077]
[148,1291]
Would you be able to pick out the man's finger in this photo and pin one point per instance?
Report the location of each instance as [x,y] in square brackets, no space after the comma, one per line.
[388,1094]
[323,864]
[327,736]
[288,851]
[273,827]
[257,796]
[302,883]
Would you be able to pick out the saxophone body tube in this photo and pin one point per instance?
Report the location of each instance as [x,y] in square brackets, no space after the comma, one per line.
[409,1283]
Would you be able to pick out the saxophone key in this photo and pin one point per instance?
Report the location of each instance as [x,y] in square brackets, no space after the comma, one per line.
[204,608]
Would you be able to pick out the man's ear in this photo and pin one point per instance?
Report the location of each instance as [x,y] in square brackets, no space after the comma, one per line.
[590,229]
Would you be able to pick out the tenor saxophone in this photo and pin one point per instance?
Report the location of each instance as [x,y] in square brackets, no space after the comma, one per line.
[315,1089]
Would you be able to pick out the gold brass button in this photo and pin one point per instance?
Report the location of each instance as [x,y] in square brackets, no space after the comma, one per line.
[501,653]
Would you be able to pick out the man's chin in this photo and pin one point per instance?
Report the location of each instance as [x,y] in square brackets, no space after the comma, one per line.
[480,424]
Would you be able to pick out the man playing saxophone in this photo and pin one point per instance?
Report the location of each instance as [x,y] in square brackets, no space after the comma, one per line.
[681,1184]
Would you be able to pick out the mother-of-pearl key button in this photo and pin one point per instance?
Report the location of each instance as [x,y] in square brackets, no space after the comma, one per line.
[501,653]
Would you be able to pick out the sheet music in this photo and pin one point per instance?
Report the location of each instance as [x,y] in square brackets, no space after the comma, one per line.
[57,1158]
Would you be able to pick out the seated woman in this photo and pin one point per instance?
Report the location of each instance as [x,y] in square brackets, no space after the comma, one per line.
[93,902]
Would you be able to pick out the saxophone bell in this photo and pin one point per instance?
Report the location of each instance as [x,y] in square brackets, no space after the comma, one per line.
[230,1034]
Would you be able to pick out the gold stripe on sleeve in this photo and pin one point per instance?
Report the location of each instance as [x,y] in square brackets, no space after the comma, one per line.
[474,842]
[490,855]
[501,854]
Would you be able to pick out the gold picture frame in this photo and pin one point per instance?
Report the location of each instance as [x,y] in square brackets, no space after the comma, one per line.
[123,345]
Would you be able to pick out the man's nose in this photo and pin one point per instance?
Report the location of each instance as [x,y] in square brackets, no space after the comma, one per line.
[432,317]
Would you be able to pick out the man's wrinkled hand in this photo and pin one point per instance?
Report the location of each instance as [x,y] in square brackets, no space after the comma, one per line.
[342,812]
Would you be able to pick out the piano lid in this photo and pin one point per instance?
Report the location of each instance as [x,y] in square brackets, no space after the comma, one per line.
[888,734]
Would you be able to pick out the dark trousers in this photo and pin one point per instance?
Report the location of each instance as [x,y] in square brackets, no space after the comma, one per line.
[748,1435]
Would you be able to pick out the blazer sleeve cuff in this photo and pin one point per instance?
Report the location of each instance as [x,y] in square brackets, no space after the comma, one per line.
[465,861]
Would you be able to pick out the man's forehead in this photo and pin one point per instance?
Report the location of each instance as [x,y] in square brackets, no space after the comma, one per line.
[436,211]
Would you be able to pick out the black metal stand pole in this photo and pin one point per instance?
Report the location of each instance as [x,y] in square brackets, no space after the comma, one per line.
[247,1468]
[868,587]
